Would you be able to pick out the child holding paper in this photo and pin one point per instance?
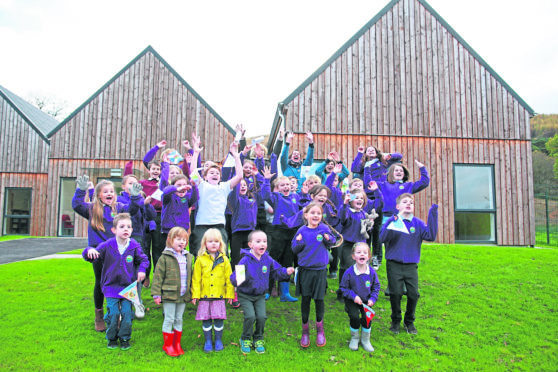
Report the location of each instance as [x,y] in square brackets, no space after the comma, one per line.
[360,286]
[251,278]
[123,263]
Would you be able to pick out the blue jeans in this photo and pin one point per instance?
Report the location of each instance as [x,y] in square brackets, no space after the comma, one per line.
[115,308]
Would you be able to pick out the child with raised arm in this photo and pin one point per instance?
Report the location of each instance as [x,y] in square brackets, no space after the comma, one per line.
[211,286]
[292,166]
[360,285]
[251,286]
[402,235]
[100,214]
[212,195]
[377,162]
[172,282]
[123,262]
[311,244]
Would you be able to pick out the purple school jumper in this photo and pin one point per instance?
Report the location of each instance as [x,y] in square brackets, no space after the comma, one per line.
[258,273]
[176,209]
[312,249]
[364,285]
[378,170]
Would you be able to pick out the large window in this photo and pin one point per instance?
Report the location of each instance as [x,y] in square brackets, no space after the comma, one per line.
[66,215]
[474,203]
[17,211]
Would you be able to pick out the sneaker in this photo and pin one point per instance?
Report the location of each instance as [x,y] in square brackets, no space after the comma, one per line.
[140,311]
[332,275]
[375,263]
[125,344]
[394,328]
[340,297]
[267,296]
[245,346]
[260,349]
[112,344]
[411,329]
[235,304]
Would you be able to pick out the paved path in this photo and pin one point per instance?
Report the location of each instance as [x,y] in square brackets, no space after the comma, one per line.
[33,248]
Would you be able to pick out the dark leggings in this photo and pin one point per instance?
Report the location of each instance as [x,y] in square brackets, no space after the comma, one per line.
[239,240]
[98,296]
[305,309]
[374,240]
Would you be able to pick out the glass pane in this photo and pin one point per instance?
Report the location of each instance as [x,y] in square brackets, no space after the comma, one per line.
[474,227]
[117,183]
[18,211]
[474,187]
[66,216]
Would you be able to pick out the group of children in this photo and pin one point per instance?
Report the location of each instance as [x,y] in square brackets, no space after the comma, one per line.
[307,225]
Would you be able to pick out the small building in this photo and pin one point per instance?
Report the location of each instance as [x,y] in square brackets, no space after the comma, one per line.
[407,82]
[24,151]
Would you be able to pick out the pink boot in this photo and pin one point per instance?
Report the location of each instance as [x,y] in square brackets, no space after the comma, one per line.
[305,340]
[320,337]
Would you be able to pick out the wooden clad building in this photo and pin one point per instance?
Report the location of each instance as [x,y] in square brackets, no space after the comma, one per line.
[23,164]
[144,103]
[407,82]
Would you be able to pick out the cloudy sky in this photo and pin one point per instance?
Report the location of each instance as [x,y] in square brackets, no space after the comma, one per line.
[234,52]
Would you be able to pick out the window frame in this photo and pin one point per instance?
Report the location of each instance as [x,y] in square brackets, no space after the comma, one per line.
[5,214]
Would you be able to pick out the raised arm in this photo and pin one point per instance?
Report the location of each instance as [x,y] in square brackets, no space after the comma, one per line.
[152,152]
[194,175]
[237,165]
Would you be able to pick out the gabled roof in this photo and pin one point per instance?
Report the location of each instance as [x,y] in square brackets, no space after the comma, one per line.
[41,122]
[145,51]
[363,30]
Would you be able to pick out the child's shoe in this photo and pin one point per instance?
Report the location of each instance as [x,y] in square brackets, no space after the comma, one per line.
[125,345]
[267,296]
[100,325]
[411,329]
[305,339]
[260,349]
[219,340]
[112,344]
[245,346]
[208,346]
[332,275]
[340,297]
[168,344]
[365,340]
[140,311]
[353,344]
[235,304]
[176,342]
[285,295]
[395,327]
[320,337]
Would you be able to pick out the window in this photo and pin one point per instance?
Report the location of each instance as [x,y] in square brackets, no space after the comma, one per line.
[66,215]
[474,203]
[17,211]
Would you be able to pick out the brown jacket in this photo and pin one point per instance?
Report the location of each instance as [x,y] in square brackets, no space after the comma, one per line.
[166,278]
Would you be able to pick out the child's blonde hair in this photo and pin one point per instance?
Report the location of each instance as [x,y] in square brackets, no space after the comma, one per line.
[177,232]
[314,178]
[253,151]
[98,209]
[359,191]
[120,217]
[211,234]
[361,244]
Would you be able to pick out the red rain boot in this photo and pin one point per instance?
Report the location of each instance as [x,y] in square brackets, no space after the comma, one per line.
[176,343]
[167,346]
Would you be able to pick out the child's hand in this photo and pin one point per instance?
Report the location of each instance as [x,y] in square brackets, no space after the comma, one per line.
[304,187]
[90,185]
[166,158]
[246,150]
[186,144]
[338,168]
[162,144]
[370,303]
[309,137]
[258,150]
[326,237]
[299,237]
[93,254]
[347,198]
[147,200]
[290,270]
[387,156]
[373,186]
[194,301]
[358,300]
[267,172]
[419,164]
[233,148]
[141,276]
[270,210]
[290,136]
[157,300]
[229,301]
[135,189]
[281,134]
[361,149]
[82,182]
[334,156]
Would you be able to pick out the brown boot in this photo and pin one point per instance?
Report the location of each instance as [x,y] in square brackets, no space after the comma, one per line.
[100,325]
[274,292]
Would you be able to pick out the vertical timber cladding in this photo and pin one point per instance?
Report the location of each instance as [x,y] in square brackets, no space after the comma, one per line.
[146,102]
[407,82]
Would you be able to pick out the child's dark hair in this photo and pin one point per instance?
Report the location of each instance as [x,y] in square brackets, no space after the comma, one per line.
[251,235]
[392,170]
[402,196]
[179,177]
[316,189]
[212,166]
[366,158]
[153,162]
[119,217]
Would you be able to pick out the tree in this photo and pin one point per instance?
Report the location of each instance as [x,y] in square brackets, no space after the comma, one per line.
[542,172]
[49,105]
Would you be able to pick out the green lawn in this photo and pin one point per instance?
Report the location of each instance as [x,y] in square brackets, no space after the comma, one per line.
[481,308]
[16,237]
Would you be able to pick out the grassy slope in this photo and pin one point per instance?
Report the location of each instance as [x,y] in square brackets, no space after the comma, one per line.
[482,308]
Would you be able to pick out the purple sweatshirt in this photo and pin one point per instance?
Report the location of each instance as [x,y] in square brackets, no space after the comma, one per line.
[258,273]
[391,191]
[244,211]
[378,170]
[84,209]
[312,249]
[138,219]
[403,246]
[119,270]
[287,206]
[176,209]
[364,285]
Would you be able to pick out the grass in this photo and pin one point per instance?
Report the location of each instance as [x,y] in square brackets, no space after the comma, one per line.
[481,308]
[16,237]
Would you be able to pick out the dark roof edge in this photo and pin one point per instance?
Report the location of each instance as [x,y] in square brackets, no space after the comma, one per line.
[370,23]
[108,83]
[274,127]
[25,118]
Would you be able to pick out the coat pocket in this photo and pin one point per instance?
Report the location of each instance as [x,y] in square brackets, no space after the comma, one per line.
[169,293]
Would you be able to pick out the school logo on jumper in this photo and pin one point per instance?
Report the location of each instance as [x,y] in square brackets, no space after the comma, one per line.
[401,187]
[320,237]
[112,214]
[129,258]
[293,200]
[367,284]
[183,200]
[264,269]
[412,229]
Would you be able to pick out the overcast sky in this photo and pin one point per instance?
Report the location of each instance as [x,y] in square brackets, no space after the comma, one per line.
[243,57]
